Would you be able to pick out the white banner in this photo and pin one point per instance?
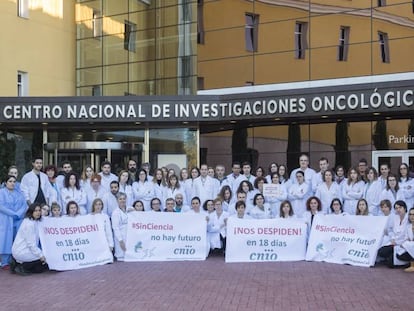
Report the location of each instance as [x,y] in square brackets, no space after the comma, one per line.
[166,236]
[70,243]
[346,239]
[271,190]
[254,240]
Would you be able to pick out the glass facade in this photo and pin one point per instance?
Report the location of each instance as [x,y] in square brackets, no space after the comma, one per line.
[173,147]
[83,147]
[132,47]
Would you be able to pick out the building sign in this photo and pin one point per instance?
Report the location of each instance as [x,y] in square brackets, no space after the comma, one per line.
[343,100]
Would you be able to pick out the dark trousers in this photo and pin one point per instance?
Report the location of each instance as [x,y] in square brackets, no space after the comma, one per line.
[223,242]
[34,266]
[405,257]
[387,252]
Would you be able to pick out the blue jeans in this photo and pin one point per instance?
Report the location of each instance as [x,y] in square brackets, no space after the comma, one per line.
[5,259]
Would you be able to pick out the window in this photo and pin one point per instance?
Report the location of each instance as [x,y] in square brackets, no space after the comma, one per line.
[96,90]
[200,22]
[301,44]
[384,48]
[23,8]
[22,84]
[343,43]
[200,83]
[185,85]
[97,24]
[130,36]
[382,3]
[252,32]
[186,7]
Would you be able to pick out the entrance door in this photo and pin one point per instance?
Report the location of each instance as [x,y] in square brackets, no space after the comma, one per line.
[80,154]
[394,158]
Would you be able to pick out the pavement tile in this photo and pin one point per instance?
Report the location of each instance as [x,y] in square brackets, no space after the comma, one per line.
[210,285]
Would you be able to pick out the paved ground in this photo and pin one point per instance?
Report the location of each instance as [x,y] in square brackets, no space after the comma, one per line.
[211,285]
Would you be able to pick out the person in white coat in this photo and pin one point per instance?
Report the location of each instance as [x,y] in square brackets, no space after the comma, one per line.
[144,190]
[261,209]
[313,208]
[159,183]
[407,247]
[318,179]
[328,190]
[174,188]
[125,186]
[73,192]
[336,208]
[406,184]
[119,220]
[110,200]
[30,185]
[107,176]
[279,194]
[397,236]
[286,210]
[205,187]
[307,171]
[392,190]
[283,176]
[94,191]
[235,178]
[97,210]
[241,211]
[298,193]
[213,227]
[227,199]
[27,256]
[352,191]
[222,217]
[372,191]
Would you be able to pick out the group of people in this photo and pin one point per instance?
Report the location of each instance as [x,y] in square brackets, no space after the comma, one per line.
[262,194]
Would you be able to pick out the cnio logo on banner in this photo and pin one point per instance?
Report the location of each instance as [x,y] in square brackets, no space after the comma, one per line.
[268,105]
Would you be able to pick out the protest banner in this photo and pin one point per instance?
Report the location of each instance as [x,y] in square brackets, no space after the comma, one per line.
[346,239]
[70,243]
[261,240]
[271,190]
[166,237]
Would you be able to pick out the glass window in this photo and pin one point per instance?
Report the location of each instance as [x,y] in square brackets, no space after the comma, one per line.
[130,34]
[23,8]
[22,84]
[176,147]
[384,47]
[381,3]
[251,31]
[343,43]
[96,90]
[18,148]
[200,22]
[301,44]
[185,70]
[97,24]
